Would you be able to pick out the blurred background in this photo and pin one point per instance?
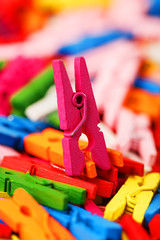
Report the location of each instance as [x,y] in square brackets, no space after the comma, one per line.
[120,40]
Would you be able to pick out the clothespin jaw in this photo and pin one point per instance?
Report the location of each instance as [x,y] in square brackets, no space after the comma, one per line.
[78,114]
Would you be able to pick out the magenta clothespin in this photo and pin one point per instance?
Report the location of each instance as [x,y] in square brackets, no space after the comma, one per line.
[21,70]
[78,114]
[93,208]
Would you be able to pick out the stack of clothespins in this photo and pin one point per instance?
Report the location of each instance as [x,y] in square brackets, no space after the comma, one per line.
[80,146]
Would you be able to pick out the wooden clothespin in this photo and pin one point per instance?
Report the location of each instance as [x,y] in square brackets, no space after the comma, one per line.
[36,169]
[86,225]
[49,143]
[54,173]
[133,197]
[42,107]
[134,133]
[93,186]
[5,231]
[93,208]
[78,114]
[21,70]
[31,220]
[154,227]
[41,189]
[13,129]
[133,229]
[153,209]
[33,91]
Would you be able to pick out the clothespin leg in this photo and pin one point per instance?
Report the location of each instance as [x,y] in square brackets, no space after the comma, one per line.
[71,152]
[96,145]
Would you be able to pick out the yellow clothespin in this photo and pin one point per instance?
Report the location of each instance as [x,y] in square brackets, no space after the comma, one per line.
[14,237]
[69,4]
[133,197]
[4,195]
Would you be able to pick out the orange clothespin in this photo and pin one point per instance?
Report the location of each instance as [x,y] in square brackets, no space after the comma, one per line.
[48,146]
[141,101]
[78,114]
[26,217]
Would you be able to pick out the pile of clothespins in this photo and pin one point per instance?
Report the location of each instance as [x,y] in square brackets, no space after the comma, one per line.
[80,136]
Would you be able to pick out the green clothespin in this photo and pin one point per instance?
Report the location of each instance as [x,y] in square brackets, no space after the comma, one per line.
[73,194]
[44,193]
[53,119]
[33,91]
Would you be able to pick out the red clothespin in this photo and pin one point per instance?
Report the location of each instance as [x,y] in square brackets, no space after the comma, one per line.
[154,227]
[132,167]
[5,231]
[133,229]
[78,114]
[156,133]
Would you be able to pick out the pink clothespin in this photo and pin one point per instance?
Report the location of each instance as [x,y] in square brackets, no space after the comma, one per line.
[78,114]
[131,16]
[111,74]
[133,132]
[93,208]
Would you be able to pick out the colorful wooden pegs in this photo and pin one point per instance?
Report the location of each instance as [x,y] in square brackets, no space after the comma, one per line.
[84,225]
[44,170]
[31,220]
[78,114]
[93,186]
[48,146]
[41,189]
[34,167]
[21,70]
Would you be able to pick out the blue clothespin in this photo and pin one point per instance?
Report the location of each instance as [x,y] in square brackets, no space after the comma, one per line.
[83,225]
[153,208]
[13,129]
[147,85]
[154,9]
[89,42]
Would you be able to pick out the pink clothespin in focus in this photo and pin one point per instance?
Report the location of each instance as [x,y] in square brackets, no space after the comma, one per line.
[78,114]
